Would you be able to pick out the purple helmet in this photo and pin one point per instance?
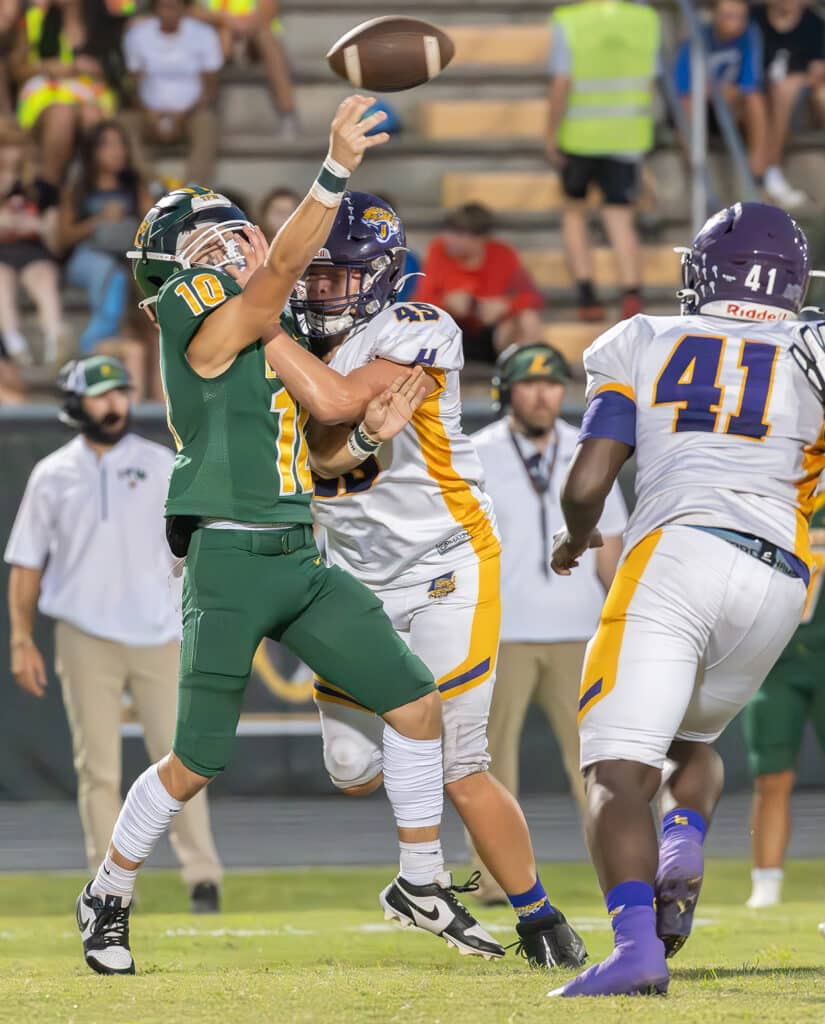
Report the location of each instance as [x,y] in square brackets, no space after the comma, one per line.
[749,261]
[368,240]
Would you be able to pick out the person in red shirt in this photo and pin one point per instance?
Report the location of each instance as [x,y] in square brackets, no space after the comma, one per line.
[482,283]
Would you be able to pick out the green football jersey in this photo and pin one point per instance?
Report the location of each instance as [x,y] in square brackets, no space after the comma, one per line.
[242,450]
[808,644]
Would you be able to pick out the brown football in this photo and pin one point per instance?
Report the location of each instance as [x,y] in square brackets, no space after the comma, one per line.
[391,54]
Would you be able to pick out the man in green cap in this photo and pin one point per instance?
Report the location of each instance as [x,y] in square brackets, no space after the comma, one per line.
[88,549]
[544,626]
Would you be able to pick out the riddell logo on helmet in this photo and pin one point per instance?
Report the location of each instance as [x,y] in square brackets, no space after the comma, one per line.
[746,312]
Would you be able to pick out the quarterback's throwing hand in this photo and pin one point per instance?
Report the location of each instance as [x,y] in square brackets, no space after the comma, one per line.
[348,139]
[566,555]
[388,413]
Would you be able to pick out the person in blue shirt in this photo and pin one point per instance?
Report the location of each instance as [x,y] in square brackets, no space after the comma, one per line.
[734,46]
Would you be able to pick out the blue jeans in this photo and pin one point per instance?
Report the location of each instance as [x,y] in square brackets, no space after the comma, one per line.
[104,279]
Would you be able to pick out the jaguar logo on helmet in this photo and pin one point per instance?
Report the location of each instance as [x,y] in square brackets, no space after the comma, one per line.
[383,222]
[140,234]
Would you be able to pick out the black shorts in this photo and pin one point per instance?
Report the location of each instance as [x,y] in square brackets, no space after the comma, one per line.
[19,255]
[618,179]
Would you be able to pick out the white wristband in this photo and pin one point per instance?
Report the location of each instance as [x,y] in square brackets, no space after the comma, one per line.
[329,187]
[360,446]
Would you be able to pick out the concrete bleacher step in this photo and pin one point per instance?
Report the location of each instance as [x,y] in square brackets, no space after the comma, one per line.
[501,44]
[660,267]
[503,191]
[471,119]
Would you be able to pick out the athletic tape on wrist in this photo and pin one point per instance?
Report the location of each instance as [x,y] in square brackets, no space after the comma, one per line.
[331,183]
[360,446]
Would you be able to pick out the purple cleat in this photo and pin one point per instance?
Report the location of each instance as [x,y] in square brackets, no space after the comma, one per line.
[636,967]
[678,883]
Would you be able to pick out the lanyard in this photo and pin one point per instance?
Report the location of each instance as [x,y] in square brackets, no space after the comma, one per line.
[540,482]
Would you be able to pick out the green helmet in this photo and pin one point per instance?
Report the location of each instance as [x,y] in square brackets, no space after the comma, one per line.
[164,242]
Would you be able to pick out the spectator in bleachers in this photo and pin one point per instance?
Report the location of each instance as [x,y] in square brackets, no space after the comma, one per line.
[27,228]
[254,28]
[793,38]
[99,217]
[276,208]
[604,59]
[10,11]
[12,391]
[62,90]
[176,59]
[482,283]
[734,47]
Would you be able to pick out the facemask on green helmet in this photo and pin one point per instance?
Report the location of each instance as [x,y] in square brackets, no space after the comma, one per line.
[188,227]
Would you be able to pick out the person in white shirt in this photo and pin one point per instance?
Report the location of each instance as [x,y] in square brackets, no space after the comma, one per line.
[87,549]
[175,59]
[545,626]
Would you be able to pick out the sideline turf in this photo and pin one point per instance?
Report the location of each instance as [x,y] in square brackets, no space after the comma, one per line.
[310,946]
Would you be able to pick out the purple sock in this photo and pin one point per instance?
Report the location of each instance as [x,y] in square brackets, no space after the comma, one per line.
[532,904]
[626,895]
[684,823]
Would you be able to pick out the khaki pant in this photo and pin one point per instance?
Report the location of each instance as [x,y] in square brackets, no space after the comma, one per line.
[550,675]
[94,674]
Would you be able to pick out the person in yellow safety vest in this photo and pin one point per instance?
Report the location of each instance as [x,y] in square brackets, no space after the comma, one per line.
[604,59]
[254,26]
[61,89]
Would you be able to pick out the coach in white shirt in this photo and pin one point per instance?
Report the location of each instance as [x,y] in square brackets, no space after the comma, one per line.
[545,623]
[88,549]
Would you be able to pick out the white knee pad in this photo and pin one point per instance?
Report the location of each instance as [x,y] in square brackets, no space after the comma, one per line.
[350,762]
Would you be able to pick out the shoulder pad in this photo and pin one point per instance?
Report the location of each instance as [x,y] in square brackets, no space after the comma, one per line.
[416,332]
[187,299]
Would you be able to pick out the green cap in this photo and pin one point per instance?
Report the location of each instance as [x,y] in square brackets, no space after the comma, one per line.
[93,376]
[534,362]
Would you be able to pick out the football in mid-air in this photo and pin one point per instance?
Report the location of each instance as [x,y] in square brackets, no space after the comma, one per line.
[391,54]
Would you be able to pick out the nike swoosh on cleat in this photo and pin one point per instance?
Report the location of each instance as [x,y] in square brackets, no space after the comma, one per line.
[106,871]
[431,915]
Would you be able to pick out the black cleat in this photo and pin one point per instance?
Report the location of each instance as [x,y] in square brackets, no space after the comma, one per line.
[204,899]
[104,928]
[549,942]
[436,909]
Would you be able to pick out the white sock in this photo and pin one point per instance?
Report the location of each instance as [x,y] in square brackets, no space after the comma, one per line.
[113,880]
[146,814]
[421,863]
[413,779]
[15,343]
[767,885]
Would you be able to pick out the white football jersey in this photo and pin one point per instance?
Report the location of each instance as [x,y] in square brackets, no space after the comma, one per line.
[422,497]
[727,430]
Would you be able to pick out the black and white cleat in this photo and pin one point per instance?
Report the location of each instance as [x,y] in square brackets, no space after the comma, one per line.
[104,928]
[435,908]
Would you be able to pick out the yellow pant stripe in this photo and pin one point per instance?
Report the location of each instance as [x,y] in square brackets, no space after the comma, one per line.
[601,666]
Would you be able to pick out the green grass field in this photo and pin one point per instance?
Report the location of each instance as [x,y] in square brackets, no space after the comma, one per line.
[307,946]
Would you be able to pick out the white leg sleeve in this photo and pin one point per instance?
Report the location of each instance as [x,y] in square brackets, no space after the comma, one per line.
[146,814]
[413,779]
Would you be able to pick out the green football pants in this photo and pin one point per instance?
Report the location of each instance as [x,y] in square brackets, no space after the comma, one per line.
[241,586]
[774,720]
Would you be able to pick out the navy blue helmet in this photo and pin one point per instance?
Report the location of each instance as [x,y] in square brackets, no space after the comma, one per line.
[749,261]
[368,241]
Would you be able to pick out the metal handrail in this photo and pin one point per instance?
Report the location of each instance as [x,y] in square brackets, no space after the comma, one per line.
[702,86]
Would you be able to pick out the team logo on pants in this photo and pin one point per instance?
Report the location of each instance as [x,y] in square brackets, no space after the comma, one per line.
[441,586]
